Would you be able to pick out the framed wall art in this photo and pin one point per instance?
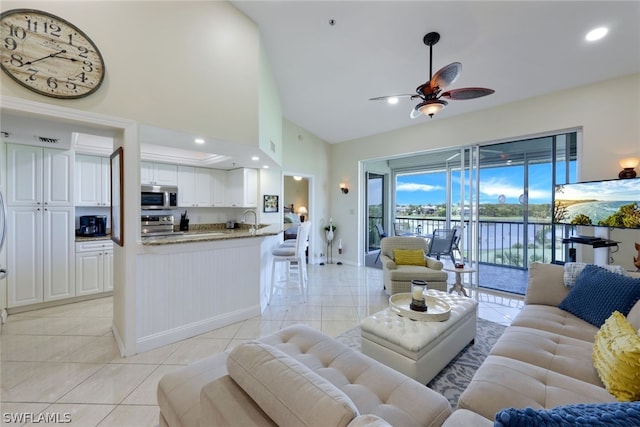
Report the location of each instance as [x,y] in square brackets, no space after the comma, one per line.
[270,203]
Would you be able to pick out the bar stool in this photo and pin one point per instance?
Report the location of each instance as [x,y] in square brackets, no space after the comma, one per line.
[294,258]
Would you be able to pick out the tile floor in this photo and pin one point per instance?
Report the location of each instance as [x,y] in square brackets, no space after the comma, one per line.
[63,361]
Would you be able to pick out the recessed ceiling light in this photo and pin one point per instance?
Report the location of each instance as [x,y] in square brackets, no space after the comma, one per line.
[265,167]
[297,178]
[596,34]
[199,141]
[393,100]
[255,158]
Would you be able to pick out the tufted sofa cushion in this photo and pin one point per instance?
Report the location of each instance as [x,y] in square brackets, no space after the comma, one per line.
[286,390]
[373,388]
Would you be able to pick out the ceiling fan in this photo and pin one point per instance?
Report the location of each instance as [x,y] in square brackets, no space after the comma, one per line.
[431,92]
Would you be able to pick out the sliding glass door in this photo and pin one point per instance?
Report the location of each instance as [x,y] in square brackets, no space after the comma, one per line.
[376,208]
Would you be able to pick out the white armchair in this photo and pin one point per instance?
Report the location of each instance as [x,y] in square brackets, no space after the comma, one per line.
[397,277]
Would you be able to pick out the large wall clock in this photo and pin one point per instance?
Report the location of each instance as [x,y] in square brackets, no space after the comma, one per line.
[49,55]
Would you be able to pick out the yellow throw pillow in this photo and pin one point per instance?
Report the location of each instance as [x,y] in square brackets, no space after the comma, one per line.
[409,257]
[616,357]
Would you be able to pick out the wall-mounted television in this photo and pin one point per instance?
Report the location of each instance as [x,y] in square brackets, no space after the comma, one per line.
[611,203]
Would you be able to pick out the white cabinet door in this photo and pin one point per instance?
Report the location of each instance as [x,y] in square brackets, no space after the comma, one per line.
[24,177]
[58,253]
[24,253]
[106,182]
[39,176]
[88,181]
[94,267]
[242,188]
[107,259]
[194,187]
[41,258]
[166,174]
[158,174]
[57,177]
[218,187]
[89,273]
[92,181]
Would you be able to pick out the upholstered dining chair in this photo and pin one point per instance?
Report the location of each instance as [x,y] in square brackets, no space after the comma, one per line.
[294,259]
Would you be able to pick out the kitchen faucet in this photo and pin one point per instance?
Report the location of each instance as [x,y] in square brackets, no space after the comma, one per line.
[255,217]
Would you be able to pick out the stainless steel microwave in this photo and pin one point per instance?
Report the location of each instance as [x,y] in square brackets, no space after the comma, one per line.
[158,197]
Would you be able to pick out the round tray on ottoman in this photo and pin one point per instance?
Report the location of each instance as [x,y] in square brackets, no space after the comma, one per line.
[438,310]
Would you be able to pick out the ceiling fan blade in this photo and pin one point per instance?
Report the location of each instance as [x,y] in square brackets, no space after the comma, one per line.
[445,76]
[386,98]
[467,93]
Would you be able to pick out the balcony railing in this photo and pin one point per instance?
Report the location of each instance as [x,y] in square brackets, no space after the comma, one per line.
[500,243]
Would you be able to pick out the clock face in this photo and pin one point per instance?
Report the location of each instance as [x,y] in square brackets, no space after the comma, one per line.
[49,55]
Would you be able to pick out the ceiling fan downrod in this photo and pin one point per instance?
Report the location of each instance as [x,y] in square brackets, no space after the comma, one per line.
[430,39]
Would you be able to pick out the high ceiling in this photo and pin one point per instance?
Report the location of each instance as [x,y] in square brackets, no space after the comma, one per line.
[521,49]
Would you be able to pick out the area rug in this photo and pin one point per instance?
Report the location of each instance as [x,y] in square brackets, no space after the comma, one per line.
[456,376]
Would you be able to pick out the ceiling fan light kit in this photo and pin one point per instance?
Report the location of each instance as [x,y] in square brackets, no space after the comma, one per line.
[431,92]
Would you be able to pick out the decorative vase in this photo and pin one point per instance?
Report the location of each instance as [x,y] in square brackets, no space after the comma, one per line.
[329,235]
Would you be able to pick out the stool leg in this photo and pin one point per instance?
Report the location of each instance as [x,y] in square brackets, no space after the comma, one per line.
[273,277]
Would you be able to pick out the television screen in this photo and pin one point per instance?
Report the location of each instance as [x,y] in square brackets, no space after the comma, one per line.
[612,203]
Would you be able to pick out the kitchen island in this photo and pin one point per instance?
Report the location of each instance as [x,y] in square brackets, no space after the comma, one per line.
[196,282]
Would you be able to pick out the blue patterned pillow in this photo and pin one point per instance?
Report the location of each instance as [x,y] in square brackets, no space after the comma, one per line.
[598,293]
[582,414]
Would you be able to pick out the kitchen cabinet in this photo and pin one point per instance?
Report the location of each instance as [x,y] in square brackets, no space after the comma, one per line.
[39,176]
[242,188]
[40,248]
[158,174]
[194,187]
[218,187]
[92,181]
[94,267]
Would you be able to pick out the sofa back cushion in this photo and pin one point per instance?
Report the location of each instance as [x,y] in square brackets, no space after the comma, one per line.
[545,284]
[286,390]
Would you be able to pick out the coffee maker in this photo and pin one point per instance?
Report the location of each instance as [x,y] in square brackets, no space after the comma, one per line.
[92,226]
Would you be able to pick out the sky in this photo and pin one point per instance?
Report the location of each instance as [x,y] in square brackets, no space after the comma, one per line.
[497,185]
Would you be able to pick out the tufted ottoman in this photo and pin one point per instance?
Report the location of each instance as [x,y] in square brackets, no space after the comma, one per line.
[420,349]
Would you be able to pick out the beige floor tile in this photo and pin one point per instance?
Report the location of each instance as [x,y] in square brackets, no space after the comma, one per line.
[193,349]
[304,312]
[12,412]
[110,385]
[74,415]
[42,381]
[145,393]
[336,327]
[339,313]
[252,329]
[227,332]
[39,325]
[132,416]
[151,357]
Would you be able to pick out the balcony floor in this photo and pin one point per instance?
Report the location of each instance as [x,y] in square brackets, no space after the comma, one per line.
[493,277]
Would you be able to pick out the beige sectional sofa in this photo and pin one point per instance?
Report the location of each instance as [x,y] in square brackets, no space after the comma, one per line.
[296,377]
[543,360]
[300,377]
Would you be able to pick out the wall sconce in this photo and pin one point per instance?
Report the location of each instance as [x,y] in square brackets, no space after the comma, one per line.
[627,166]
[344,188]
[302,211]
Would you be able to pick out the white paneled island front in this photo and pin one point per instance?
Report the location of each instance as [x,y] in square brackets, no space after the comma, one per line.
[188,286]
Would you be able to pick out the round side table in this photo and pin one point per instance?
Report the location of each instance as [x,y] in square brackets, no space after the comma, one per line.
[458,286]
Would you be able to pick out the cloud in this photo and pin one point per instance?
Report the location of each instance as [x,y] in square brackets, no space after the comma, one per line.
[495,187]
[414,186]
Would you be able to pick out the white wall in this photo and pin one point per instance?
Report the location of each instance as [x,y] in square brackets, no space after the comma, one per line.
[307,155]
[607,112]
[187,66]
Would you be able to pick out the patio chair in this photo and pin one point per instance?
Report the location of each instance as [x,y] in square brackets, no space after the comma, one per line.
[381,235]
[444,242]
[402,229]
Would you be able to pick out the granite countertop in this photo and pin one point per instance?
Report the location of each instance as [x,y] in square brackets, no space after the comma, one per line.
[213,232]
[92,238]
